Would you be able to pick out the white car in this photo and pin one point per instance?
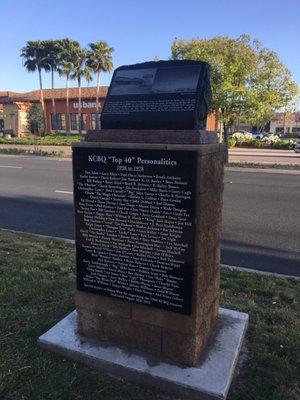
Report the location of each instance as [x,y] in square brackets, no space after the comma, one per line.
[258,134]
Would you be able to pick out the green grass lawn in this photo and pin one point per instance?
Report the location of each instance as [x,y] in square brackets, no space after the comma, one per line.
[48,140]
[36,291]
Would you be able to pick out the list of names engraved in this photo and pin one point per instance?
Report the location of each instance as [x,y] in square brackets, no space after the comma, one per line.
[134,224]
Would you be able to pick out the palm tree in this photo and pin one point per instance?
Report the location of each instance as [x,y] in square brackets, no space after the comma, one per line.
[99,59]
[80,70]
[66,60]
[52,51]
[35,60]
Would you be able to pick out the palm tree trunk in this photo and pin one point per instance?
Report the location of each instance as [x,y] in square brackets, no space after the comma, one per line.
[68,120]
[79,105]
[42,100]
[97,101]
[53,100]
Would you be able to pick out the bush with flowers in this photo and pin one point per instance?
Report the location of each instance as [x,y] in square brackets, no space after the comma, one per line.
[271,139]
[247,140]
[241,138]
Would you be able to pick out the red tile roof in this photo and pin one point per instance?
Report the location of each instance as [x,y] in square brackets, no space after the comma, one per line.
[59,93]
[86,92]
[9,94]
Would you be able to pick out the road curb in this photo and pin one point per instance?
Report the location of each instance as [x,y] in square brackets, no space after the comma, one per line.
[257,271]
[231,267]
[43,237]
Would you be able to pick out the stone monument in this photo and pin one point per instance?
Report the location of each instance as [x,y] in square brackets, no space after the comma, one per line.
[158,95]
[148,208]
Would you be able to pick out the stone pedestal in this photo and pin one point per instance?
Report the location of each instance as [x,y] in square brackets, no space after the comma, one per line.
[210,379]
[170,335]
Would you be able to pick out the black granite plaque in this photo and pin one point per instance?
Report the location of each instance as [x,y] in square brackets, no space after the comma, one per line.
[134,214]
[158,95]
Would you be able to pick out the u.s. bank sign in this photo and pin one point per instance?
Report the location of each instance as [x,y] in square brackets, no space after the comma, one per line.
[86,104]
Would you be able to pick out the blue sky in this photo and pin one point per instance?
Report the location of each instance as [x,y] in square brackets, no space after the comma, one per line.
[141,30]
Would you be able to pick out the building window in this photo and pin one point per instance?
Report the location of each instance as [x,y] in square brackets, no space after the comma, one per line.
[58,122]
[83,122]
[74,122]
[93,116]
[296,129]
[279,129]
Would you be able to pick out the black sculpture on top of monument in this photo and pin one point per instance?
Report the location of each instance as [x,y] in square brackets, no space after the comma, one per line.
[158,95]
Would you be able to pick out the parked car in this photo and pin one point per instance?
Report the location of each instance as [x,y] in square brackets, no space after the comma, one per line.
[258,134]
[297,146]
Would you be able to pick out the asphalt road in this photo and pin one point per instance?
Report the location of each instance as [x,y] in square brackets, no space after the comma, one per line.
[261,217]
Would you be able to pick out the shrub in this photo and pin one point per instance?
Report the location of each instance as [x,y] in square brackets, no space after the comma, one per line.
[241,138]
[49,140]
[258,144]
[231,142]
[284,145]
[35,119]
[292,142]
[8,132]
[271,139]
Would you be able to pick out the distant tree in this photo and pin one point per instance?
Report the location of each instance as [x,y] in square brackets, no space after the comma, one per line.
[247,80]
[80,70]
[99,59]
[270,88]
[67,57]
[34,56]
[35,119]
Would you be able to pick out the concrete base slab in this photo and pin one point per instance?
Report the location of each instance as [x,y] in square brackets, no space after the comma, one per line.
[209,380]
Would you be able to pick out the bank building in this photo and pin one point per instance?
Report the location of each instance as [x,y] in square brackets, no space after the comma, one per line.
[14,107]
